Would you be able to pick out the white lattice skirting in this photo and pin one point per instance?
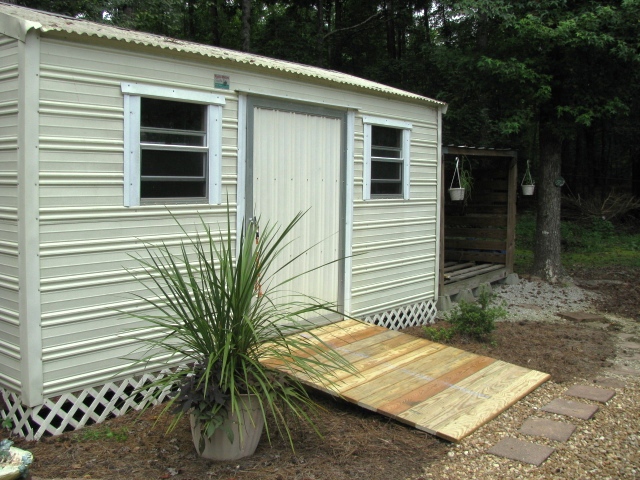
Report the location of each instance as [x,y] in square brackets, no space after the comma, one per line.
[413,315]
[75,410]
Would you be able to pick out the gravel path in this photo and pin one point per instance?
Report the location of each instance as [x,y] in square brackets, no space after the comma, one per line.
[605,447]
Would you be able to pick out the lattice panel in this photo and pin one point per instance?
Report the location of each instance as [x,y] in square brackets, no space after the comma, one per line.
[75,410]
[408,316]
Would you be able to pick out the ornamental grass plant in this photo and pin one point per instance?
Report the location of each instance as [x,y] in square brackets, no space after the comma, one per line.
[223,332]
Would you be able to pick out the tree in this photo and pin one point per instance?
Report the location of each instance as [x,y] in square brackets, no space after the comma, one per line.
[554,67]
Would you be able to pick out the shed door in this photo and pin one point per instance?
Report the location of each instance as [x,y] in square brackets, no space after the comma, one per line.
[295,164]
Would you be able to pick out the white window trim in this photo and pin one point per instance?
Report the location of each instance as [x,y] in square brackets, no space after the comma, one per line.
[406,128]
[132,94]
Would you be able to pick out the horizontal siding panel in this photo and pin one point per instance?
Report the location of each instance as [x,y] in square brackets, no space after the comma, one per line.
[9,275]
[366,278]
[367,303]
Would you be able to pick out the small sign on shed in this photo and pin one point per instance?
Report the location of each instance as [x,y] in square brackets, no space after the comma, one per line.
[221,81]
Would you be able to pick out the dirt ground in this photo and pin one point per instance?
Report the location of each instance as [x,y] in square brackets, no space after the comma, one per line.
[356,444]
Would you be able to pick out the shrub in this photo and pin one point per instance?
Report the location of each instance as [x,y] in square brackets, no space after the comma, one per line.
[472,320]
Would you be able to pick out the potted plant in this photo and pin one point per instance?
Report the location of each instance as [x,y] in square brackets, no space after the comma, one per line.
[527,184]
[212,318]
[465,180]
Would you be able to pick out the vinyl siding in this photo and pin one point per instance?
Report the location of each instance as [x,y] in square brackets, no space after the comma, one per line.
[87,236]
[9,276]
[394,240]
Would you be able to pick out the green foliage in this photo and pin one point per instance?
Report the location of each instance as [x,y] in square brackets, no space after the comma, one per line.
[7,423]
[209,317]
[594,241]
[102,433]
[470,320]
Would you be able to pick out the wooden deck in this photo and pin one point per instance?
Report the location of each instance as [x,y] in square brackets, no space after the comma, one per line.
[441,390]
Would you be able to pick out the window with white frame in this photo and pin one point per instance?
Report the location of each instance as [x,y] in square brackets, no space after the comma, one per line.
[386,158]
[172,145]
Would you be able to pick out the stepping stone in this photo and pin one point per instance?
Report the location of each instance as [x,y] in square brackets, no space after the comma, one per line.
[522,451]
[609,382]
[558,431]
[622,370]
[582,316]
[571,409]
[596,394]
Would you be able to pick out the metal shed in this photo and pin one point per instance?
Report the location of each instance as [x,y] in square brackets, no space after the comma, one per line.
[92,119]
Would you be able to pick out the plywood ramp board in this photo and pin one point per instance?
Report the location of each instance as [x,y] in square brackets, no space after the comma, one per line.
[441,390]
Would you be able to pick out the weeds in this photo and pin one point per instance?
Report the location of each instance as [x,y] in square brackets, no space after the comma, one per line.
[102,433]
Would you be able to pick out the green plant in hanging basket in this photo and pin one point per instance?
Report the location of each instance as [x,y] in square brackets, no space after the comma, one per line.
[462,174]
[527,184]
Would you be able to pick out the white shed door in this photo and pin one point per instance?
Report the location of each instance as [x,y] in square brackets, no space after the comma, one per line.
[296,167]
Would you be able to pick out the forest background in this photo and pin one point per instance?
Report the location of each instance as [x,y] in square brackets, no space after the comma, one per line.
[557,80]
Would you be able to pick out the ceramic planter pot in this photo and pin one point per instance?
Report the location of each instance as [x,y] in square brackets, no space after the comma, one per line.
[17,465]
[527,189]
[456,194]
[218,447]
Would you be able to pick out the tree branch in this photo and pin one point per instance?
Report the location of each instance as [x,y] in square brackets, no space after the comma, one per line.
[354,26]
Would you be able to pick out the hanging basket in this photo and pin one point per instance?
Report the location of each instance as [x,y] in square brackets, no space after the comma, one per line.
[528,189]
[527,182]
[456,194]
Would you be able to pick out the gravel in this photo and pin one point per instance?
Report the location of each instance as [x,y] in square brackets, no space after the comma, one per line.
[605,447]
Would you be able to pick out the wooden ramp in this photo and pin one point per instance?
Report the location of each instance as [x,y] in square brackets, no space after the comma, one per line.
[441,390]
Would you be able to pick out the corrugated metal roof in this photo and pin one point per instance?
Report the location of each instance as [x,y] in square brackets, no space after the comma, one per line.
[46,22]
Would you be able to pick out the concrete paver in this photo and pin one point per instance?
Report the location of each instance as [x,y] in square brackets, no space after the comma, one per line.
[570,408]
[596,394]
[551,429]
[609,382]
[522,451]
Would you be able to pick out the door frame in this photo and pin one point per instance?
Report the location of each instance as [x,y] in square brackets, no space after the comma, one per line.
[246,109]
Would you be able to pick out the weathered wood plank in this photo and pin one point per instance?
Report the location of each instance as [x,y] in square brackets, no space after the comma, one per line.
[479,270]
[469,256]
[469,283]
[500,233]
[475,243]
[476,221]
[453,266]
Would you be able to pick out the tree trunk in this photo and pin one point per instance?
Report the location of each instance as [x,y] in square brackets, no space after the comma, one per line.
[320,33]
[546,256]
[246,25]
[216,35]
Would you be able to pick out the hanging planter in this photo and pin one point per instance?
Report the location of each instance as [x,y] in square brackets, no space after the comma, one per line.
[527,184]
[465,180]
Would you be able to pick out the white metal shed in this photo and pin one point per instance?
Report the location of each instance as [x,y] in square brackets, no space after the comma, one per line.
[92,118]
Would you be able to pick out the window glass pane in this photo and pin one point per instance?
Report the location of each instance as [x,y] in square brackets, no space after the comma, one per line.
[172,164]
[386,152]
[173,189]
[172,115]
[385,188]
[169,137]
[386,137]
[386,171]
